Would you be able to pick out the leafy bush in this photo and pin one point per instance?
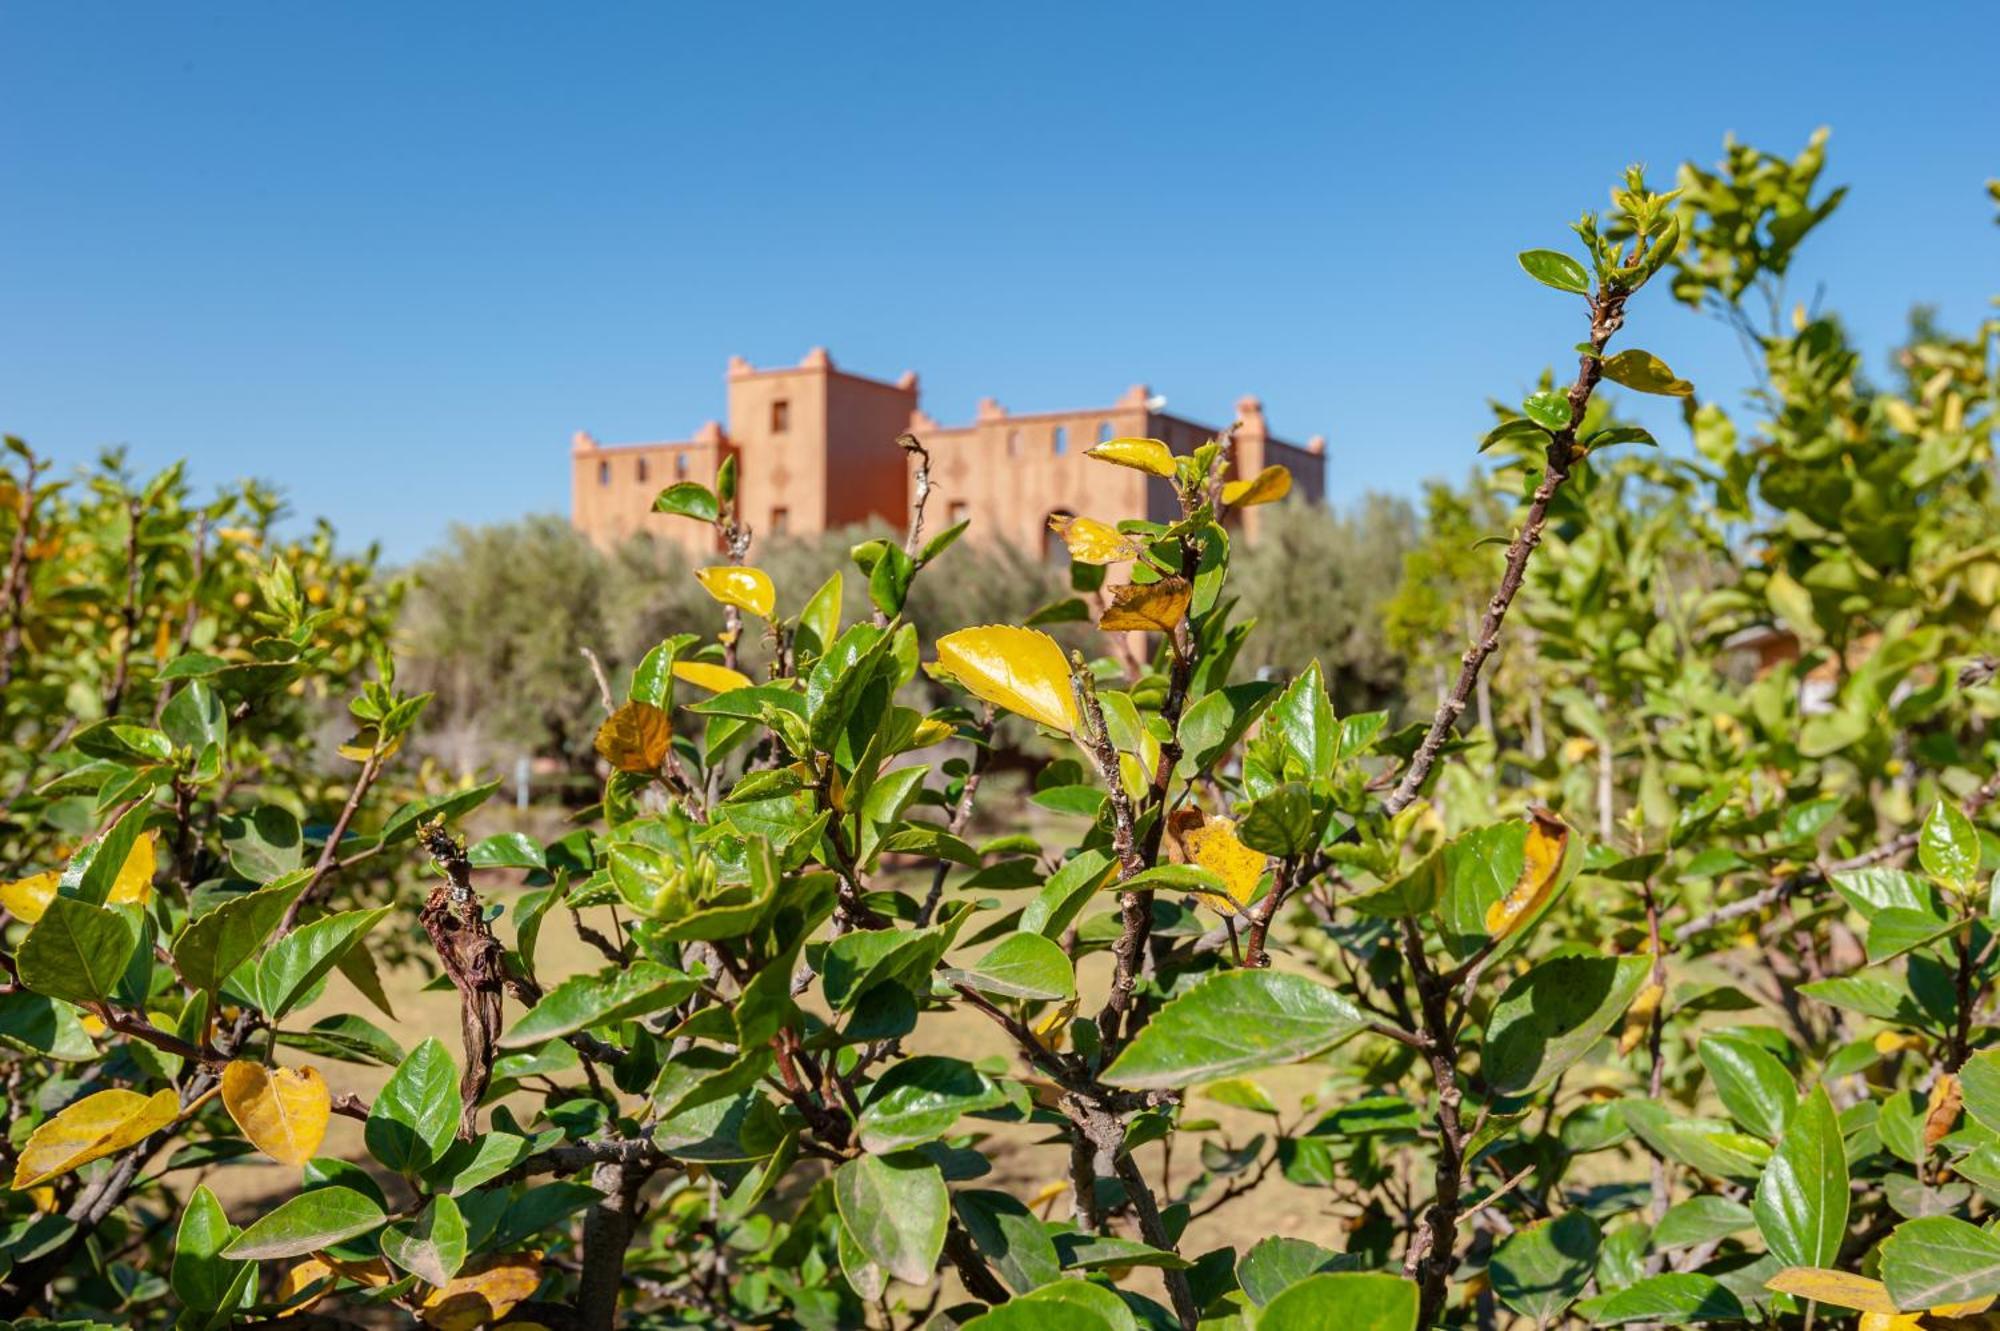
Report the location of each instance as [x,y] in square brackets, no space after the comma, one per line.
[1722,1057]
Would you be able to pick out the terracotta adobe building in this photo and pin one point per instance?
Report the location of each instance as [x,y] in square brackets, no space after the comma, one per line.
[815,449]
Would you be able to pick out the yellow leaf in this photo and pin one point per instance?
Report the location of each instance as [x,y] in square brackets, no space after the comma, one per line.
[1888,1043]
[1541,867]
[1094,542]
[483,1293]
[1941,1110]
[1021,670]
[134,884]
[369,1272]
[1212,845]
[931,731]
[1639,1017]
[283,1111]
[44,1198]
[300,1278]
[1266,487]
[1051,1029]
[635,738]
[1147,607]
[92,1128]
[714,678]
[1835,1287]
[1148,455]
[743,587]
[26,898]
[1890,1322]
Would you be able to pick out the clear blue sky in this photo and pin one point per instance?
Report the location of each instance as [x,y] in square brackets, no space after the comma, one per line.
[390,256]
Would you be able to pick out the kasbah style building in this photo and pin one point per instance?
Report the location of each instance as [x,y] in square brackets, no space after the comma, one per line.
[815,449]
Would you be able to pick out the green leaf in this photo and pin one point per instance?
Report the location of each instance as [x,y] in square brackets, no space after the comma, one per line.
[1548,408]
[214,945]
[38,1024]
[1235,1021]
[1281,822]
[92,871]
[1940,1259]
[1219,719]
[819,622]
[1009,1236]
[1302,720]
[1550,1018]
[1275,1263]
[1557,270]
[687,499]
[347,1037]
[508,850]
[919,1099]
[1066,893]
[430,1247]
[303,957]
[1644,372]
[1349,1300]
[1037,1315]
[1754,1086]
[1619,434]
[415,1116]
[1801,1201]
[1539,1269]
[305,1223]
[896,1209]
[1518,428]
[264,844]
[583,1001]
[1979,1083]
[1678,1298]
[1698,1220]
[202,1278]
[76,951]
[1948,845]
[1024,965]
[195,717]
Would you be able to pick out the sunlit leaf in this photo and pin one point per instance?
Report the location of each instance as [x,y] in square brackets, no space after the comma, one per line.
[714,678]
[92,1128]
[1266,487]
[1020,670]
[741,586]
[283,1111]
[483,1293]
[1147,607]
[1149,455]
[1541,869]
[1557,270]
[1094,542]
[1644,372]
[1212,844]
[636,738]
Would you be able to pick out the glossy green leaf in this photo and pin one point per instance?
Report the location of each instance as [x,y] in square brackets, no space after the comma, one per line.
[306,1223]
[1802,1199]
[430,1247]
[1548,408]
[1349,1300]
[920,1098]
[1552,268]
[1541,1268]
[202,1278]
[1014,1242]
[76,952]
[415,1115]
[1550,1018]
[896,1209]
[213,945]
[1753,1085]
[1948,845]
[583,1001]
[1023,965]
[303,957]
[1940,1259]
[1675,1299]
[1235,1021]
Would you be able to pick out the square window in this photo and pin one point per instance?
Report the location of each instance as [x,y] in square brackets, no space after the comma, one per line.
[781,520]
[781,415]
